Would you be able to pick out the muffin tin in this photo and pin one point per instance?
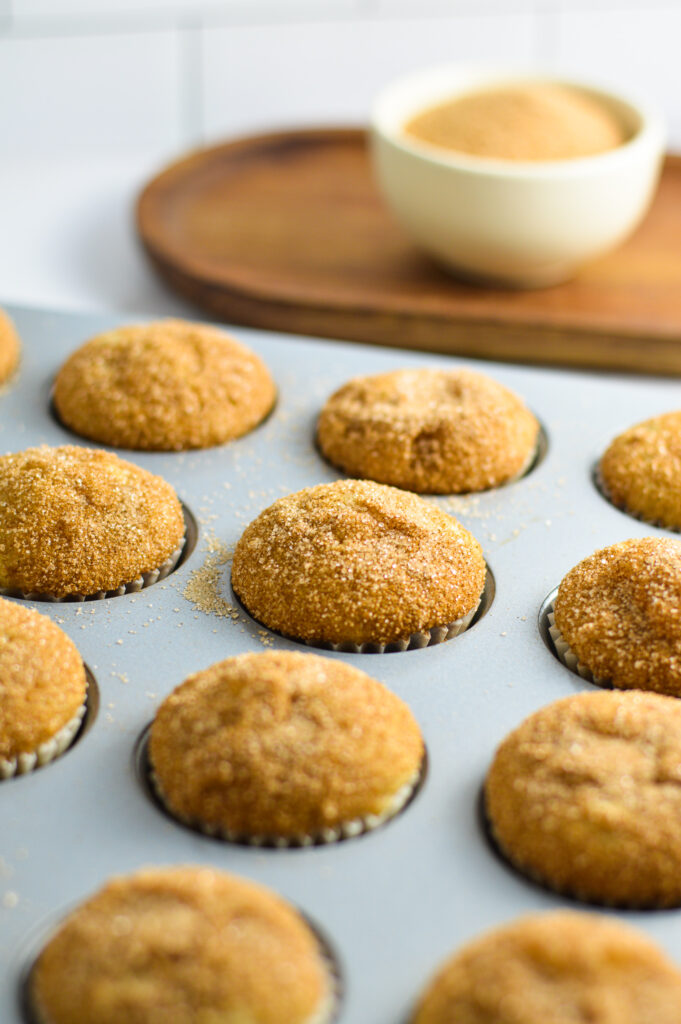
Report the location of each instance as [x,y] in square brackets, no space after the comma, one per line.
[392,903]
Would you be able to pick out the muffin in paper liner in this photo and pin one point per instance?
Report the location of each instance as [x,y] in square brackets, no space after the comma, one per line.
[568,656]
[357,566]
[146,579]
[282,749]
[48,751]
[603,488]
[281,967]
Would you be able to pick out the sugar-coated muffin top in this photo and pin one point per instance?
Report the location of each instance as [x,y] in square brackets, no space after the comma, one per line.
[78,520]
[430,431]
[42,679]
[555,968]
[620,610]
[164,386]
[10,347]
[182,944]
[585,796]
[283,744]
[641,468]
[355,561]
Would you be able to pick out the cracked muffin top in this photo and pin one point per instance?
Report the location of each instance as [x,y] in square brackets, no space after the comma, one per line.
[355,561]
[79,520]
[164,386]
[430,431]
[585,796]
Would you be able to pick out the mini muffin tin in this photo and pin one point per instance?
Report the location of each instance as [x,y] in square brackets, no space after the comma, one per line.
[394,902]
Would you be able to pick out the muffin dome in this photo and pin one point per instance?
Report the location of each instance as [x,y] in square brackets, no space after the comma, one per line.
[619,610]
[42,689]
[356,562]
[81,521]
[435,431]
[641,469]
[163,386]
[281,745]
[555,968]
[9,347]
[584,796]
[183,945]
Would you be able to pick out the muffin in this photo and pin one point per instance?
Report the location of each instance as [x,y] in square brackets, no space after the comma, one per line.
[434,431]
[164,386]
[9,347]
[43,690]
[182,944]
[616,616]
[640,471]
[82,522]
[284,748]
[585,797]
[359,565]
[555,968]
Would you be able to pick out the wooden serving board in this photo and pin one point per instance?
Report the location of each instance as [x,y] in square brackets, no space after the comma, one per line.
[287,232]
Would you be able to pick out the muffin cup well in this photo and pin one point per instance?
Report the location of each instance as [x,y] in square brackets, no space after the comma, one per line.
[47,751]
[568,657]
[146,579]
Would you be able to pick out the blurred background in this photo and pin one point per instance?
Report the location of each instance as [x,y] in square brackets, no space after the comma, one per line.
[96,95]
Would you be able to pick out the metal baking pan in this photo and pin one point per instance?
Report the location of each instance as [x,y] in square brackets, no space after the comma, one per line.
[391,903]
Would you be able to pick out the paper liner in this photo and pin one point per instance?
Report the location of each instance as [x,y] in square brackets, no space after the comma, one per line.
[346,830]
[602,487]
[426,638]
[146,579]
[568,656]
[47,751]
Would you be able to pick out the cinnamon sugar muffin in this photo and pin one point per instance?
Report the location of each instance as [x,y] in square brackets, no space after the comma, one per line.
[9,347]
[78,521]
[42,689]
[357,563]
[163,386]
[182,944]
[585,797]
[616,616]
[640,471]
[434,431]
[284,748]
[555,968]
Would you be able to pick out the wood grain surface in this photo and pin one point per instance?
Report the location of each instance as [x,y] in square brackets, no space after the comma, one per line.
[287,232]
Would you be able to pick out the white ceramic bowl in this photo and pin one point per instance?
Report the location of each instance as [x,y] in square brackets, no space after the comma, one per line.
[526,224]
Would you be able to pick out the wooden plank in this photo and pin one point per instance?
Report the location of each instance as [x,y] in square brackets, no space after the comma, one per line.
[288,232]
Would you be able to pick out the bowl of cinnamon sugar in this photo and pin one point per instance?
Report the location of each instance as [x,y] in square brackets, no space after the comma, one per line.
[514,181]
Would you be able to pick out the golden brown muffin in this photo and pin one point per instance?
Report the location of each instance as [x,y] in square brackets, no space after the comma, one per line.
[80,521]
[281,745]
[432,431]
[585,796]
[619,611]
[10,347]
[357,562]
[42,689]
[555,968]
[641,469]
[182,944]
[163,386]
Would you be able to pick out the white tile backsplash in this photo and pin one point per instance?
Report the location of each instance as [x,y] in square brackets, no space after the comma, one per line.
[636,50]
[101,93]
[272,76]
